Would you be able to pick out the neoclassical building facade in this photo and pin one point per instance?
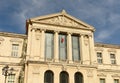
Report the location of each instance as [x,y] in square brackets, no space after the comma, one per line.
[58,48]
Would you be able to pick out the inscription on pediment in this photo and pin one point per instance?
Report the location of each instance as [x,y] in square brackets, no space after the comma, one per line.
[62,20]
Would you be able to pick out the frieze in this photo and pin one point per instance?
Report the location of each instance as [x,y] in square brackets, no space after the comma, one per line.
[15,40]
[116,76]
[90,73]
[101,75]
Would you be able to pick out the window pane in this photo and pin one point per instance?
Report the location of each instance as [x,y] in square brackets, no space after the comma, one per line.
[11,78]
[78,78]
[64,77]
[75,48]
[15,48]
[62,47]
[113,59]
[116,80]
[99,57]
[49,45]
[48,77]
[102,80]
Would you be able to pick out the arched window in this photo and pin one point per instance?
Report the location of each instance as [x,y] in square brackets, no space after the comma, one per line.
[78,78]
[48,77]
[64,77]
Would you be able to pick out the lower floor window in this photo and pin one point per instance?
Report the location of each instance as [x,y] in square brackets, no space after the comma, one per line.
[64,77]
[48,77]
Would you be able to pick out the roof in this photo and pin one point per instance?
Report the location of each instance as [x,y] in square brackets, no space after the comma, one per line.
[7,34]
[60,19]
[107,45]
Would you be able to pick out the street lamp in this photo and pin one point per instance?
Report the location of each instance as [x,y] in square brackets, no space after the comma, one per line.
[6,71]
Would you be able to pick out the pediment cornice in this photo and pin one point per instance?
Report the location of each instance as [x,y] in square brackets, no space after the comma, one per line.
[62,19]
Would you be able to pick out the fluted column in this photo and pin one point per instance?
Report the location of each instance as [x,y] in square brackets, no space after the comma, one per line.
[42,45]
[69,48]
[56,47]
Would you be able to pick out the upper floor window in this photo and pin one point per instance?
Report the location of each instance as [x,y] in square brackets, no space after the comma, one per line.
[11,78]
[49,46]
[102,80]
[99,57]
[116,80]
[75,48]
[112,58]
[62,47]
[15,49]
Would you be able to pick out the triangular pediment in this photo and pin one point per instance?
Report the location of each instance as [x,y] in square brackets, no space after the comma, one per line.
[62,19]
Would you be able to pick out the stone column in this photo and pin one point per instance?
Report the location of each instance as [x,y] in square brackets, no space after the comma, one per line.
[42,45]
[91,50]
[56,47]
[81,40]
[69,48]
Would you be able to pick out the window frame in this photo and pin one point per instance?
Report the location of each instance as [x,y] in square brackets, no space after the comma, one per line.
[75,48]
[11,79]
[113,58]
[116,80]
[52,46]
[15,50]
[49,74]
[100,57]
[64,47]
[102,79]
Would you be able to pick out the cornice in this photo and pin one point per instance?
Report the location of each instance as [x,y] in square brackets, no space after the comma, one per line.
[107,45]
[65,26]
[7,34]
[61,64]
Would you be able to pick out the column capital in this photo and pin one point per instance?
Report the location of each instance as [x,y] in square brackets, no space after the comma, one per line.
[69,33]
[56,31]
[42,30]
[33,29]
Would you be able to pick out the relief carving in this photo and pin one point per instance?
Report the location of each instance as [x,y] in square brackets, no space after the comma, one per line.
[64,68]
[101,75]
[16,40]
[111,50]
[62,20]
[90,73]
[36,69]
[86,40]
[116,76]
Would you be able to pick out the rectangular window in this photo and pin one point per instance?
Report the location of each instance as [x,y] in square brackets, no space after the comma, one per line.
[99,57]
[15,49]
[62,47]
[102,80]
[75,48]
[11,78]
[112,58]
[49,46]
[116,80]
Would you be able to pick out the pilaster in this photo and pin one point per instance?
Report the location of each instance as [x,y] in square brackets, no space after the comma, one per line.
[42,45]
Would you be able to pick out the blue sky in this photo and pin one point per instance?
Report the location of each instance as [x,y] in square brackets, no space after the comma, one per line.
[104,15]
